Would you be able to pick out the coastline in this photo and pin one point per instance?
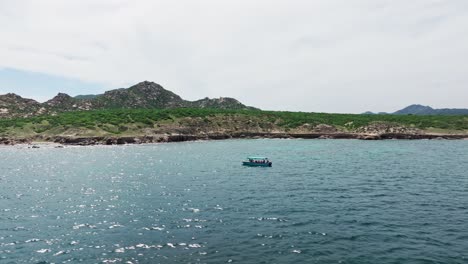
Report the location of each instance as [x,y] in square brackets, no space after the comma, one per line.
[166,138]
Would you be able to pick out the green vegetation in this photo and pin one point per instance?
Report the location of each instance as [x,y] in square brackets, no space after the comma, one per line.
[115,121]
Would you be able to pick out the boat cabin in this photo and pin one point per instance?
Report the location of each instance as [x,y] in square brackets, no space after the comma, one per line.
[257,162]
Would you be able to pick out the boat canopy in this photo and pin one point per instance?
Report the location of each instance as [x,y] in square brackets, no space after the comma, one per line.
[257,158]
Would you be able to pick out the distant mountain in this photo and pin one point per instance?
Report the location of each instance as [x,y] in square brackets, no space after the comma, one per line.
[142,95]
[417,109]
[427,110]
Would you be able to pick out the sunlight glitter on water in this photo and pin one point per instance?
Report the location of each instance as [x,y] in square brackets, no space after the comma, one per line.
[324,202]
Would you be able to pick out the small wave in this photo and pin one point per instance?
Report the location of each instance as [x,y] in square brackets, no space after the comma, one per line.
[144,246]
[115,226]
[114,260]
[271,219]
[78,226]
[195,210]
[32,240]
[194,246]
[61,252]
[119,250]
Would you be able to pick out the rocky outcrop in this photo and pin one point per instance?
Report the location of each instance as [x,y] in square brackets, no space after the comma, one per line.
[12,105]
[323,128]
[378,128]
[166,138]
[219,103]
[61,100]
[15,141]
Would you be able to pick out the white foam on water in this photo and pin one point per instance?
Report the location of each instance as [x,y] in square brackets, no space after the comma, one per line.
[115,260]
[42,251]
[114,226]
[170,245]
[194,246]
[142,246]
[78,226]
[59,253]
[32,240]
[119,250]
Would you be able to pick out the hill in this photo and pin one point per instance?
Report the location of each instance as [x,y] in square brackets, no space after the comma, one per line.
[111,126]
[417,109]
[12,105]
[144,95]
[86,96]
[427,110]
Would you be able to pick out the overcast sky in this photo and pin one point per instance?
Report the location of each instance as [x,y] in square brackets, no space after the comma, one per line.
[311,55]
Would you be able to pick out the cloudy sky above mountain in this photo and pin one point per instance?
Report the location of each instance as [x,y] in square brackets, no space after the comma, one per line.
[310,55]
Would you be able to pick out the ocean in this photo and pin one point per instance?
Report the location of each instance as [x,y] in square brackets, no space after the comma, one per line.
[323,201]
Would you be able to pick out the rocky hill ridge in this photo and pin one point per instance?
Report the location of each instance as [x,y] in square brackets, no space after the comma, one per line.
[142,95]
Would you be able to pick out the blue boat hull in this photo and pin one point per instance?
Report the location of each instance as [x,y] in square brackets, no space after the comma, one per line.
[254,164]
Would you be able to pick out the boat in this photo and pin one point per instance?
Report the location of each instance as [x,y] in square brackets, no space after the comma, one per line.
[257,162]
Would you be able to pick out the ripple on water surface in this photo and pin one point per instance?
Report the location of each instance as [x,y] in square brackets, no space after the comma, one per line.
[323,201]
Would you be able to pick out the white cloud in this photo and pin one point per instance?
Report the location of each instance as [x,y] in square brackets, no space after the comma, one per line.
[320,55]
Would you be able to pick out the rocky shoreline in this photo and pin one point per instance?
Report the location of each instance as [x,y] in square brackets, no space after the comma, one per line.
[116,140]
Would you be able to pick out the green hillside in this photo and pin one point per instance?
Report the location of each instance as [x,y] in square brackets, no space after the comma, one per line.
[190,120]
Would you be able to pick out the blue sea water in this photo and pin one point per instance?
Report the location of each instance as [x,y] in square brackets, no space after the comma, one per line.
[323,201]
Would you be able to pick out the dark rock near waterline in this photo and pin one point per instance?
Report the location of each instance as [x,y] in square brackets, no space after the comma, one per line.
[86,141]
[15,141]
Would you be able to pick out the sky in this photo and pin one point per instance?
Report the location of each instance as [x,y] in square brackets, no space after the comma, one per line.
[341,56]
